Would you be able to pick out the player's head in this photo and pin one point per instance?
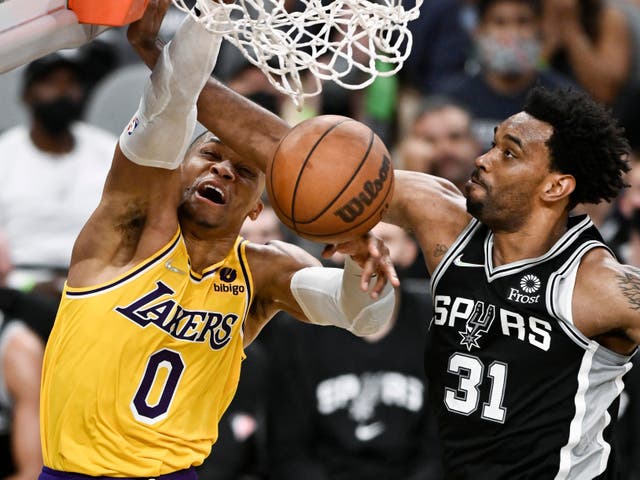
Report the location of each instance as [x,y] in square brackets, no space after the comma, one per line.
[53,90]
[563,149]
[586,143]
[220,188]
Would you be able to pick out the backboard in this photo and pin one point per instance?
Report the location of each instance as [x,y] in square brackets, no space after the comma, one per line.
[30,29]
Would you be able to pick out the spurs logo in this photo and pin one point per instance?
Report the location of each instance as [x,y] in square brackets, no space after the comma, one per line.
[479,323]
[370,191]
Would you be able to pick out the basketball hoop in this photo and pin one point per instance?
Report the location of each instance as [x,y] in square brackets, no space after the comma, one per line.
[341,41]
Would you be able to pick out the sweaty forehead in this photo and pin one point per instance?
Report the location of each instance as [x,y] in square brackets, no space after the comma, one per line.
[527,128]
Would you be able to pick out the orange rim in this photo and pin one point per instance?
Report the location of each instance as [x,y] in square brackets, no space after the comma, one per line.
[108,12]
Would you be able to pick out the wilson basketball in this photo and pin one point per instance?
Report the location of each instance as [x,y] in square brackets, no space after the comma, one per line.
[331,179]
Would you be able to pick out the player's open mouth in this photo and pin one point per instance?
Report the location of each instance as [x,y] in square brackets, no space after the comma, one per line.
[213,194]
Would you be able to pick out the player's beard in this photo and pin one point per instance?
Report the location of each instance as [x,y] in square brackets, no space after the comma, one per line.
[507,214]
[188,212]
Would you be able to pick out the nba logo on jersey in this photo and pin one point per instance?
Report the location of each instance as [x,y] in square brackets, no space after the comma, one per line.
[133,124]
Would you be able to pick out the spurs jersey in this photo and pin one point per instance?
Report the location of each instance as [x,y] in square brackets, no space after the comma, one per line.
[138,371]
[519,392]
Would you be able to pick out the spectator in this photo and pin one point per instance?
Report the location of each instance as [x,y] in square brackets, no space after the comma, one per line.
[508,42]
[450,147]
[596,42]
[629,206]
[440,46]
[51,173]
[25,322]
[21,353]
[626,436]
[343,407]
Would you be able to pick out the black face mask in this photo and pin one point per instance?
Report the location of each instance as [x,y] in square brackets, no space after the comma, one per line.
[57,115]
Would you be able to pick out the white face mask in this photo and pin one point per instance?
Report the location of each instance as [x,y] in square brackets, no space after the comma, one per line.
[514,56]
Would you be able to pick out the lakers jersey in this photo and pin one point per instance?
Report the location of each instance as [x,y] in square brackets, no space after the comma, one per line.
[138,371]
[519,391]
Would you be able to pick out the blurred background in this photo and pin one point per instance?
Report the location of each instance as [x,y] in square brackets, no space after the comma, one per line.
[313,402]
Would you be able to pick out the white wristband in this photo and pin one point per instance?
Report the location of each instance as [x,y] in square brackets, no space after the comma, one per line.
[160,131]
[330,296]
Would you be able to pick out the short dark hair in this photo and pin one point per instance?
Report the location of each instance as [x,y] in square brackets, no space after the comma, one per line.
[586,142]
[484,5]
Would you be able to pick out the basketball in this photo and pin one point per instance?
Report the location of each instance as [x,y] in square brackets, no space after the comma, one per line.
[331,179]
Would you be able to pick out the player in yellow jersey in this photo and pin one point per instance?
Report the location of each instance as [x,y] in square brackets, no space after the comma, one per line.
[163,295]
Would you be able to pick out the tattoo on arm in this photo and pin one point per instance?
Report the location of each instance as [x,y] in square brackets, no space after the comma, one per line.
[440,250]
[629,283]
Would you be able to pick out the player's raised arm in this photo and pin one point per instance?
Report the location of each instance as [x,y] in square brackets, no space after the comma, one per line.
[432,208]
[254,132]
[137,213]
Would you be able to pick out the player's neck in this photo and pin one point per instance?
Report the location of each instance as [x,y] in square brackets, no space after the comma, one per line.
[532,240]
[207,248]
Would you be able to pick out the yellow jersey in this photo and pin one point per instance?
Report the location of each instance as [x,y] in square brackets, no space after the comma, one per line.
[138,371]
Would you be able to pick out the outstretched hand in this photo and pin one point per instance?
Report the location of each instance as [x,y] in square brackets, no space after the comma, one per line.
[372,255]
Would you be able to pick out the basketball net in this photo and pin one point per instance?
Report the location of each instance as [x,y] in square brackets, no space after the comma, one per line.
[341,41]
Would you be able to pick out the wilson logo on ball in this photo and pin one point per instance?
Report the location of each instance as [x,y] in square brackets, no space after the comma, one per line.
[370,190]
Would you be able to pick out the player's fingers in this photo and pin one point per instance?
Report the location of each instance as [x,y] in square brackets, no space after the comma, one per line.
[381,281]
[388,270]
[374,246]
[368,271]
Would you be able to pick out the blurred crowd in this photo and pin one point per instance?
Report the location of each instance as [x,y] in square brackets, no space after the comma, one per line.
[313,402]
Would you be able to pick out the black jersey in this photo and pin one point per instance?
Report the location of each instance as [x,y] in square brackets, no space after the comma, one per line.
[519,392]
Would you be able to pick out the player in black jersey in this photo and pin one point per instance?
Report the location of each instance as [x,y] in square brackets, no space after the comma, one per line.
[534,318]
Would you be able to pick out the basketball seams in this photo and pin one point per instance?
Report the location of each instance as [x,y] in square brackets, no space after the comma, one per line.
[351,227]
[346,185]
[303,166]
[272,197]
[359,182]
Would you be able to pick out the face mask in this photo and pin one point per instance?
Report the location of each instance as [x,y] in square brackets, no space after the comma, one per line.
[515,56]
[57,115]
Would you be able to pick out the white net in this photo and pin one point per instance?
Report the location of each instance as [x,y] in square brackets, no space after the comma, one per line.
[344,41]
